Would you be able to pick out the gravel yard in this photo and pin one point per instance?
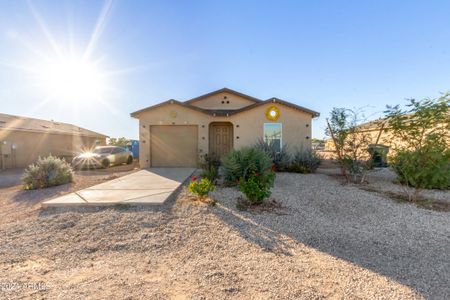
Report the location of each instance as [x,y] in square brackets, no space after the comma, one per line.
[16,203]
[383,180]
[328,241]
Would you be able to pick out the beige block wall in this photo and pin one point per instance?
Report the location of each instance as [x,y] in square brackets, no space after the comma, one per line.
[373,137]
[247,126]
[30,145]
[215,102]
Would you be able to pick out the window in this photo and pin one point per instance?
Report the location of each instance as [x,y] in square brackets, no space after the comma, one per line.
[118,150]
[103,150]
[273,135]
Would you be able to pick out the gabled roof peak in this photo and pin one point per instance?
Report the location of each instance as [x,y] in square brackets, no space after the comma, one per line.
[224,90]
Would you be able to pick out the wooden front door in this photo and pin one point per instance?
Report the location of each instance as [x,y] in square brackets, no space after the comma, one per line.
[220,138]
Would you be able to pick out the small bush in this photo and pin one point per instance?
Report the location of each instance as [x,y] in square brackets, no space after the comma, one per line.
[280,158]
[428,168]
[304,161]
[356,169]
[201,188]
[210,165]
[240,164]
[257,187]
[211,174]
[47,172]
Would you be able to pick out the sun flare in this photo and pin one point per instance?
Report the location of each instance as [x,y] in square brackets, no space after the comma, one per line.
[73,80]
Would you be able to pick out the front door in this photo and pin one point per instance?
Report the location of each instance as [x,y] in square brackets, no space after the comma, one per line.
[220,138]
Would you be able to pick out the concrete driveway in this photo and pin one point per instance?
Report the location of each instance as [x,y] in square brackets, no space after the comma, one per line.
[145,187]
[10,177]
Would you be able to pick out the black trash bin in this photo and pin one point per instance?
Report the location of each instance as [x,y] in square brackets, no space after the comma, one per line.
[379,155]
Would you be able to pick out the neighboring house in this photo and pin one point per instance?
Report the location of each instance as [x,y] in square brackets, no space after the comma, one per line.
[175,133]
[376,132]
[23,140]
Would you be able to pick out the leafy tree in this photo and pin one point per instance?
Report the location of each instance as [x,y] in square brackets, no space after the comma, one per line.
[421,138]
[120,142]
[422,122]
[350,142]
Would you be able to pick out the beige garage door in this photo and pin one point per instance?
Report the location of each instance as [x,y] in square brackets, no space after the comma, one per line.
[173,146]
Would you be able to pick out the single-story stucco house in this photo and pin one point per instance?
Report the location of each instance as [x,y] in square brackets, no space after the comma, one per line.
[177,134]
[23,140]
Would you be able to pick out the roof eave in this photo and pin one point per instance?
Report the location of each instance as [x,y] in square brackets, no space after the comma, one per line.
[295,106]
[170,101]
[186,104]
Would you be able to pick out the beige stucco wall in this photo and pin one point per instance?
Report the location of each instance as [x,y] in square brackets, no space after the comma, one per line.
[373,136]
[30,145]
[215,101]
[247,126]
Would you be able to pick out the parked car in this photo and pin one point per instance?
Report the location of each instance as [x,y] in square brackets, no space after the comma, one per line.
[103,157]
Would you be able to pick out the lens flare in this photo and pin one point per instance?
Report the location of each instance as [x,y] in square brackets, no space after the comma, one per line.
[73,80]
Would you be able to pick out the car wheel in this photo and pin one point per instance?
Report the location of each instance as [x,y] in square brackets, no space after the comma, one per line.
[105,163]
[129,160]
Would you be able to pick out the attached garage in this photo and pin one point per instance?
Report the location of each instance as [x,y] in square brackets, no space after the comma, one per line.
[173,145]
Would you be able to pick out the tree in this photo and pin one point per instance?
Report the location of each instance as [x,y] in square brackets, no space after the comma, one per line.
[350,142]
[422,122]
[421,135]
[120,142]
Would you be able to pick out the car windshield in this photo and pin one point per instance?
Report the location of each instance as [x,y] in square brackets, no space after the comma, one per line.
[103,150]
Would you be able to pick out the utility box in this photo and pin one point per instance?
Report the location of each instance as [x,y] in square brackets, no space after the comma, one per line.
[6,148]
[379,155]
[5,154]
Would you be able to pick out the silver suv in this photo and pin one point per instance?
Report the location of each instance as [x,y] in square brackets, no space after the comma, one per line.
[103,157]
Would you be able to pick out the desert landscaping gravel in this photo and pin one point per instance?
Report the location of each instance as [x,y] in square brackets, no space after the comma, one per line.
[327,241]
[384,180]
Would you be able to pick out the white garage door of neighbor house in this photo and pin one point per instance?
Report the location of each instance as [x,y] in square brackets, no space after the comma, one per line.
[173,145]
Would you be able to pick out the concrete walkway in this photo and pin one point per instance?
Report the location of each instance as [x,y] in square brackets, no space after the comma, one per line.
[145,187]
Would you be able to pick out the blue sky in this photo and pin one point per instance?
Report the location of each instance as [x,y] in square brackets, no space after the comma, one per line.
[318,54]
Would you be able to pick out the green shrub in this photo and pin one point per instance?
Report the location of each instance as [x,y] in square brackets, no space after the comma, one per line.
[240,164]
[210,165]
[280,158]
[46,172]
[421,143]
[427,168]
[304,161]
[201,188]
[211,174]
[257,187]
